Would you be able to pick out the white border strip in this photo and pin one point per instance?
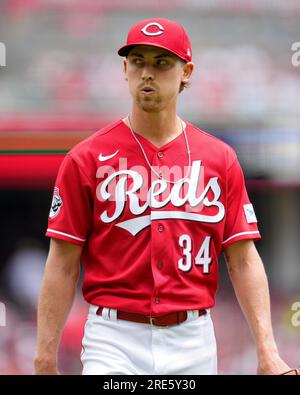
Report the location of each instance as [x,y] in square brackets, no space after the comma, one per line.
[65,234]
[239,234]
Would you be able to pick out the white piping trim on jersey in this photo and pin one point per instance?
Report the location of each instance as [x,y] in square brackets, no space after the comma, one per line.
[239,234]
[65,234]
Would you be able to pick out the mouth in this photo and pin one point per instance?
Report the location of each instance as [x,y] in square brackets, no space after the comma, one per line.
[147,90]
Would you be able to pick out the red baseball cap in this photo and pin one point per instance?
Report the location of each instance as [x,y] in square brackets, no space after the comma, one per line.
[161,33]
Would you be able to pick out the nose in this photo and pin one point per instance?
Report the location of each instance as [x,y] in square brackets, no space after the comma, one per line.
[148,73]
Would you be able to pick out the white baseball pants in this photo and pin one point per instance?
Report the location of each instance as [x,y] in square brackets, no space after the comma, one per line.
[111,346]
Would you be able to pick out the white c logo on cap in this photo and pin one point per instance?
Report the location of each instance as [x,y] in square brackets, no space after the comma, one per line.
[158,33]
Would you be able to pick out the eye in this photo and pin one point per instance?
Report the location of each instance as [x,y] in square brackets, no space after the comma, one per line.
[137,61]
[162,62]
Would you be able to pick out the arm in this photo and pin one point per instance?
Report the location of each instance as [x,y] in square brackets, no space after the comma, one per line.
[250,283]
[56,298]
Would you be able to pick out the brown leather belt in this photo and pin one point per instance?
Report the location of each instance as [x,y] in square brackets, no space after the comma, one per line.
[170,319]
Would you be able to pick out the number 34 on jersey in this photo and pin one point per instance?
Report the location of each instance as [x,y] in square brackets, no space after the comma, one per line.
[202,258]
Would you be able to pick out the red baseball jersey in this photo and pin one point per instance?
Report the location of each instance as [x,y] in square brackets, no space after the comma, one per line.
[151,236]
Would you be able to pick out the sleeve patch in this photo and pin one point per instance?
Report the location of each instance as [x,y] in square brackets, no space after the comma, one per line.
[249,213]
[56,204]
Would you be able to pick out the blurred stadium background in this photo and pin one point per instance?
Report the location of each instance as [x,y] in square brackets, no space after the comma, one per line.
[63,81]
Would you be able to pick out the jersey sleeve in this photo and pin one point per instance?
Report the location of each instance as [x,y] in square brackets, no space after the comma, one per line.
[70,216]
[241,222]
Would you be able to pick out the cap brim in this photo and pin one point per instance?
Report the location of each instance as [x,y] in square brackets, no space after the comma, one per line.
[123,51]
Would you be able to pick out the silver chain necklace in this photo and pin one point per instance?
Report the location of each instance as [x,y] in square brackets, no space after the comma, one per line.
[147,160]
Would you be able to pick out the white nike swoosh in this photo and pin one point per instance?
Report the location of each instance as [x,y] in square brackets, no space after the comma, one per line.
[102,158]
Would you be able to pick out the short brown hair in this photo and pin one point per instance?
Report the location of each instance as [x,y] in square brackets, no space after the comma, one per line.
[184,85]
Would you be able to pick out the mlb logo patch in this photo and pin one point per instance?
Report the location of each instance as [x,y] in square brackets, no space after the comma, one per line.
[249,213]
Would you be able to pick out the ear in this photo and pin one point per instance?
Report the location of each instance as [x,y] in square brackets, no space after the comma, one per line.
[125,68]
[188,69]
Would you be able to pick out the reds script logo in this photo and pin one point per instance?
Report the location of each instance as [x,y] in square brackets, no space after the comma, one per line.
[110,187]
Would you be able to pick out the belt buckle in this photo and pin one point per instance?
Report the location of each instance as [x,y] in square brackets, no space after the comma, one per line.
[152,323]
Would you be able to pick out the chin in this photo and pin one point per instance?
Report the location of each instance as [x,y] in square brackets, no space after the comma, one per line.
[149,108]
[149,105]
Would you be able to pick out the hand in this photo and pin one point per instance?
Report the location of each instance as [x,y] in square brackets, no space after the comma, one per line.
[45,367]
[272,365]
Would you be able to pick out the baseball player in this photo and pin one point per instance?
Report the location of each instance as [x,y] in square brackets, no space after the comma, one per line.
[148,204]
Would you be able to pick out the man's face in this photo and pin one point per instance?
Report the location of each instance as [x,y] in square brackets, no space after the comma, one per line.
[154,76]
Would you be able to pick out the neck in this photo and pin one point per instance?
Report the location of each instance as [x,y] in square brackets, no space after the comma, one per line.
[160,127]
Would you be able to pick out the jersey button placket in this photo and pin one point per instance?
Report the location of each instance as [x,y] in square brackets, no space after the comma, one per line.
[158,248]
[160,228]
[160,155]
